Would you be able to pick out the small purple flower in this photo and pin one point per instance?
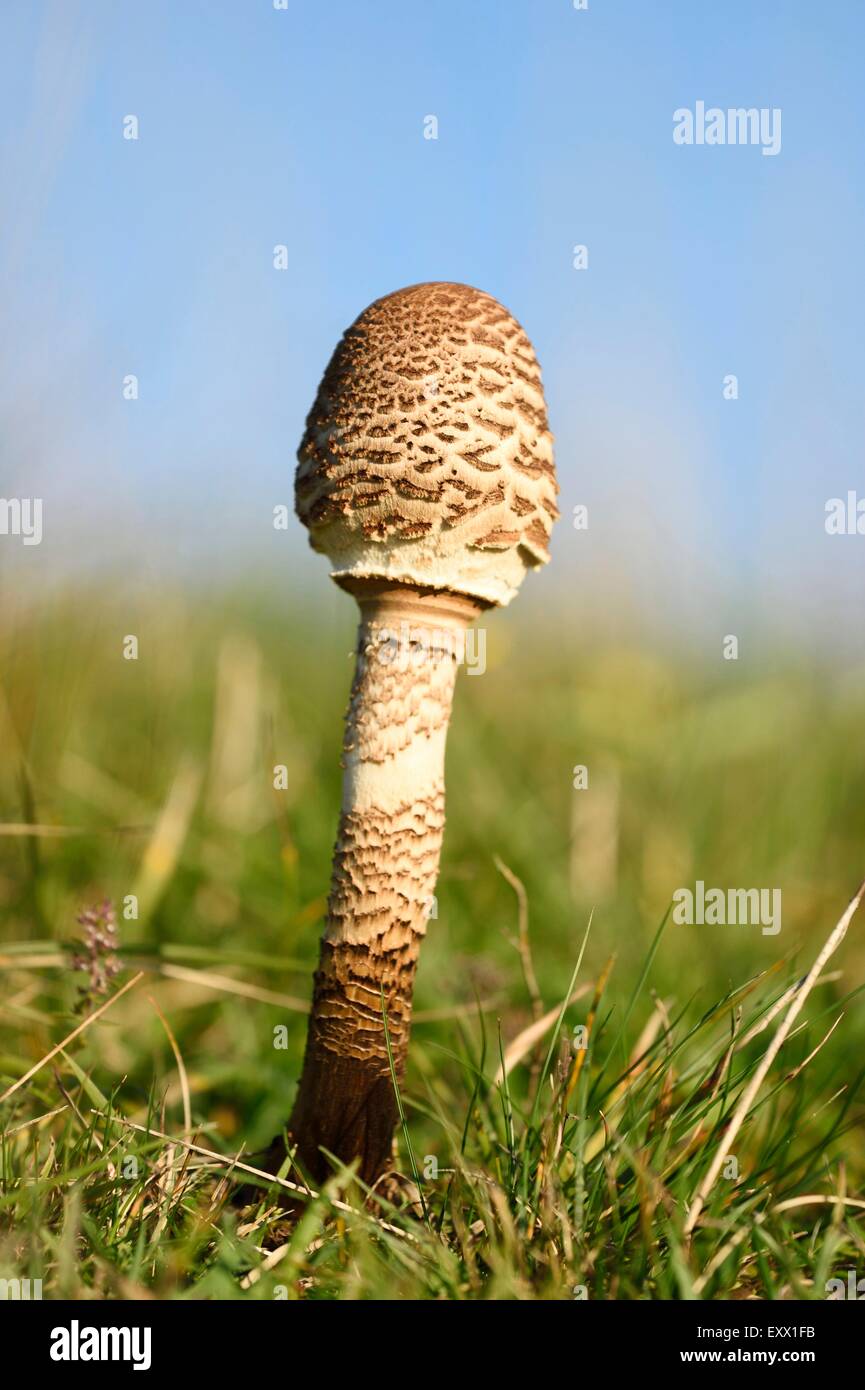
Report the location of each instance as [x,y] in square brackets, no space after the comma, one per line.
[99,955]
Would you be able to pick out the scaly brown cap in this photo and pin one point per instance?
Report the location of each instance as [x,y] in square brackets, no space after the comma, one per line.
[427,458]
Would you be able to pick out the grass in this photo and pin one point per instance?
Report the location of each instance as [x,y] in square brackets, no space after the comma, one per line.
[533,1160]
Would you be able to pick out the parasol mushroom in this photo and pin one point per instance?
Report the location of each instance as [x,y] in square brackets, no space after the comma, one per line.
[426,476]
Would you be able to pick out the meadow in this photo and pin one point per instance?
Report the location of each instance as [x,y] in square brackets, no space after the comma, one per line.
[535,1160]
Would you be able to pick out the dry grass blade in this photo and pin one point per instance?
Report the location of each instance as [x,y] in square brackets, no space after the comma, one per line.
[226,985]
[236,1165]
[166,842]
[720,1256]
[590,1023]
[522,943]
[271,1260]
[207,980]
[85,1023]
[525,1041]
[819,1199]
[47,960]
[37,1120]
[750,1093]
[809,1200]
[763,1023]
[45,831]
[791,1075]
[181,1068]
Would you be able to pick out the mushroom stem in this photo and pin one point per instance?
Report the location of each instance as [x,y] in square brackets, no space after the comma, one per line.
[385,865]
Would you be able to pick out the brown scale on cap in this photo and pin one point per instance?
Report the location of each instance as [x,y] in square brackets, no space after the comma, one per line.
[427,458]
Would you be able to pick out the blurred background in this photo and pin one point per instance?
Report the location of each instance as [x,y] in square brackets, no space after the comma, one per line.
[304,128]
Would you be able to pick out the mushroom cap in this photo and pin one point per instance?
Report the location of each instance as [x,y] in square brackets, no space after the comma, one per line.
[427,458]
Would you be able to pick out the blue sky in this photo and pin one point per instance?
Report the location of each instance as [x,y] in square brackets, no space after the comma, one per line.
[305,127]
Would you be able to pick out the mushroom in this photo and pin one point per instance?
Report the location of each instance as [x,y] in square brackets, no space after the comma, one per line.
[426,476]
